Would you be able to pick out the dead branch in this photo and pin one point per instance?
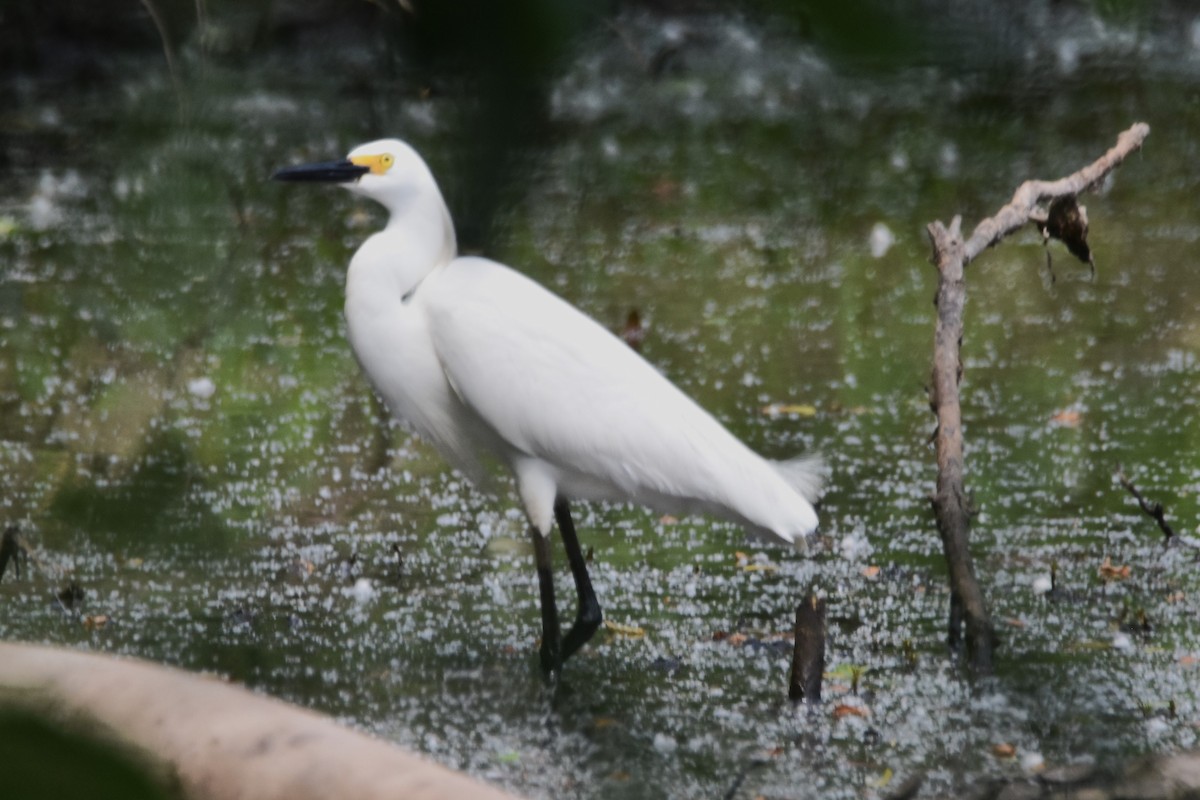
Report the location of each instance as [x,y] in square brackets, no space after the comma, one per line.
[808,655]
[1023,208]
[1154,510]
[951,254]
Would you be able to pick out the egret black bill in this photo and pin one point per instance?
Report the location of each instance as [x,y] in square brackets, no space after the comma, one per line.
[344,171]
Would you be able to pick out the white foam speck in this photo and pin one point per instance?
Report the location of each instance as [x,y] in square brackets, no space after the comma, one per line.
[203,388]
[882,240]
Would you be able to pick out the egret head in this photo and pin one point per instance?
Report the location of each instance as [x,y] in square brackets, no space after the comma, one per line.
[387,171]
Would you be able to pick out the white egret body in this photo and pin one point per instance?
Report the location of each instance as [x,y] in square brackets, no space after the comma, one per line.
[487,365]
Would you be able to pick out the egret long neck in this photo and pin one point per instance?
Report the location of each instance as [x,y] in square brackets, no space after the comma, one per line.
[418,239]
[419,225]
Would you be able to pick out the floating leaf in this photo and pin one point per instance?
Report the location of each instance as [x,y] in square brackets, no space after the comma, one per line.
[846,672]
[846,710]
[871,571]
[1067,418]
[631,631]
[1004,750]
[1109,572]
[758,563]
[797,409]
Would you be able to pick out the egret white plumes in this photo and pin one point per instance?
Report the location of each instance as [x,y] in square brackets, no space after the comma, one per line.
[489,366]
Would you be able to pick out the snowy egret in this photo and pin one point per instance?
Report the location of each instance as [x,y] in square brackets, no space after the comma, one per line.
[489,366]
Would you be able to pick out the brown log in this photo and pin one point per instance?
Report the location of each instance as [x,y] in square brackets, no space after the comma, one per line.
[218,741]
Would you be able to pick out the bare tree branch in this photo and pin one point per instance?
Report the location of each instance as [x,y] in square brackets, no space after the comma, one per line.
[1023,207]
[951,254]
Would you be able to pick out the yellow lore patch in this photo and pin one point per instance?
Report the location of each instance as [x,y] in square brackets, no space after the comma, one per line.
[377,164]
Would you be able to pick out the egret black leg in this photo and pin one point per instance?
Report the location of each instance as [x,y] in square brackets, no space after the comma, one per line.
[551,650]
[588,617]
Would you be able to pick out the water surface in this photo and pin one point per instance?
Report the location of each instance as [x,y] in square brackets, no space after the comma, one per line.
[186,437]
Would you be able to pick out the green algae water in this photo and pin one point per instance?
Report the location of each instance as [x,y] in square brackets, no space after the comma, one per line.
[186,440]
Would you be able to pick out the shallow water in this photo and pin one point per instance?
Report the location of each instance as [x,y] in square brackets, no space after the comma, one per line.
[185,436]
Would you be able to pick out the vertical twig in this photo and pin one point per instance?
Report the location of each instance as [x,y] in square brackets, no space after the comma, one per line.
[1153,510]
[808,655]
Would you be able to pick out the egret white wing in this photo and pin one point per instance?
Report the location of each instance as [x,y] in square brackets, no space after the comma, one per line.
[557,386]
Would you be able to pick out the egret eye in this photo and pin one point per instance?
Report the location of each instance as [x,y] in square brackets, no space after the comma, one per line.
[386,161]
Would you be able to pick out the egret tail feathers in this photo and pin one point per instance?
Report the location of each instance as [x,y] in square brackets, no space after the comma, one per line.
[806,474]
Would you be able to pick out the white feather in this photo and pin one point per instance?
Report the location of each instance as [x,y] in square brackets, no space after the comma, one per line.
[486,363]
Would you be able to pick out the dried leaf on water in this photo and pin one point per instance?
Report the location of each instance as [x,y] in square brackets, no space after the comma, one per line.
[757,563]
[631,631]
[1067,418]
[1109,572]
[846,710]
[794,409]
